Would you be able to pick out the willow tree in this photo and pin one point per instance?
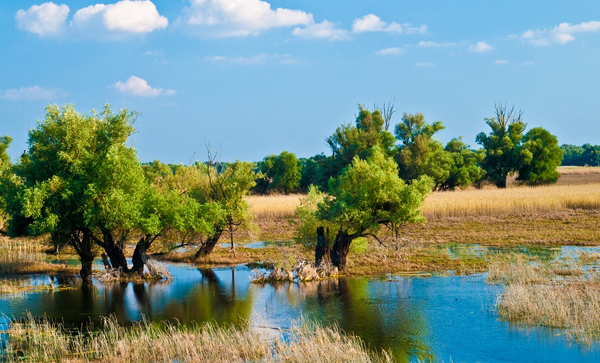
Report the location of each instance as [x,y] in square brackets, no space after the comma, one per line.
[368,195]
[5,171]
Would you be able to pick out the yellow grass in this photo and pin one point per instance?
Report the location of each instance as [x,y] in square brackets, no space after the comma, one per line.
[26,256]
[152,342]
[470,202]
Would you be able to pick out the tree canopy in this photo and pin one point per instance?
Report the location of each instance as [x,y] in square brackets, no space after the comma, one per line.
[541,157]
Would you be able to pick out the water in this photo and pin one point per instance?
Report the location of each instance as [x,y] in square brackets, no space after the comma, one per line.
[431,319]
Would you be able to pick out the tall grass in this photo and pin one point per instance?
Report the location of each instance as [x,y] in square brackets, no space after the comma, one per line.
[466,203]
[154,342]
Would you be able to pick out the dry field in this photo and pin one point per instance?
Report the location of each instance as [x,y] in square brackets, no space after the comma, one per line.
[565,213]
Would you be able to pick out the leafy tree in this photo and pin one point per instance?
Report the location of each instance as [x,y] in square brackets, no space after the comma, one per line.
[367,195]
[465,168]
[572,155]
[286,172]
[228,189]
[5,171]
[359,140]
[591,155]
[420,153]
[266,173]
[541,157]
[502,145]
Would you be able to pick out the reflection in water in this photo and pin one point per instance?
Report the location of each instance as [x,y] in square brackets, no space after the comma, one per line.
[432,319]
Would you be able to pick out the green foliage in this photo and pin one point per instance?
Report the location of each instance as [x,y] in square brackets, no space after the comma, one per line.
[308,221]
[348,142]
[266,173]
[572,155]
[464,169]
[420,153]
[5,175]
[502,145]
[369,194]
[541,157]
[591,155]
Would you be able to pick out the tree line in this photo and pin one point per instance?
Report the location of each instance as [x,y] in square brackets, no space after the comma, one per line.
[585,155]
[79,183]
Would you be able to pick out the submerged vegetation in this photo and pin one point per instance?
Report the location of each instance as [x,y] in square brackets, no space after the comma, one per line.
[44,341]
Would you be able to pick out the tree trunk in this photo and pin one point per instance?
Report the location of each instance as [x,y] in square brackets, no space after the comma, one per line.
[209,245]
[340,249]
[140,258]
[86,268]
[322,248]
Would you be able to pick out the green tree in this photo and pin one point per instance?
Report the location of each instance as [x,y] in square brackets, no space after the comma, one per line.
[464,169]
[591,155]
[265,173]
[286,172]
[228,189]
[541,157]
[349,141]
[572,155]
[420,153]
[5,171]
[367,195]
[502,145]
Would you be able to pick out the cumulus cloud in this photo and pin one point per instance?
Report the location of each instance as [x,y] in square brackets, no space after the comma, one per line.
[32,93]
[43,20]
[561,34]
[389,51]
[136,86]
[322,30]
[372,23]
[100,20]
[501,62]
[431,44]
[481,47]
[229,18]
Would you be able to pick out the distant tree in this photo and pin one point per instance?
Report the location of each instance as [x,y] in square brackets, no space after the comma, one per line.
[591,155]
[419,152]
[464,169]
[5,171]
[265,174]
[502,145]
[541,156]
[367,195]
[572,155]
[286,172]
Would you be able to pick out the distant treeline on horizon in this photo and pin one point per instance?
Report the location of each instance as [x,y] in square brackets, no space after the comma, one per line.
[585,155]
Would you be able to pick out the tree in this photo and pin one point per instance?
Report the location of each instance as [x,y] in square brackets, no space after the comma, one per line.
[266,173]
[229,189]
[359,140]
[541,157]
[367,195]
[572,155]
[286,172]
[464,169]
[502,145]
[420,153]
[5,174]
[591,155]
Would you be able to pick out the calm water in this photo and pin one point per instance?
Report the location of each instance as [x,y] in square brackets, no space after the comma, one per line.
[432,319]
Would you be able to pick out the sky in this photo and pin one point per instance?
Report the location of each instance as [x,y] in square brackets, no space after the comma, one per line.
[253,77]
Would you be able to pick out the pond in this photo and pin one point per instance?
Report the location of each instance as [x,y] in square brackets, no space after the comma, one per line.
[418,318]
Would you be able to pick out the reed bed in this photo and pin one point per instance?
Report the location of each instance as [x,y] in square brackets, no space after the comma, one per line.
[26,256]
[44,341]
[274,206]
[558,294]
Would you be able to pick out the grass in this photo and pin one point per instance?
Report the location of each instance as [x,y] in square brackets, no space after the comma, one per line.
[44,341]
[558,294]
[21,286]
[27,256]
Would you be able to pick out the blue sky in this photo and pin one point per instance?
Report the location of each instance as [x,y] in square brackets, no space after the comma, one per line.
[255,77]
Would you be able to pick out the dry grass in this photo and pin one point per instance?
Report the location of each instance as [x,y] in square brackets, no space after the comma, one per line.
[152,342]
[20,286]
[27,256]
[273,206]
[559,294]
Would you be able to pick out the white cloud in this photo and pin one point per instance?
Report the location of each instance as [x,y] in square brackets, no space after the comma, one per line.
[227,18]
[124,16]
[561,34]
[261,58]
[527,64]
[100,20]
[324,29]
[32,93]
[431,44]
[481,47]
[501,62]
[139,87]
[45,19]
[424,64]
[372,23]
[389,51]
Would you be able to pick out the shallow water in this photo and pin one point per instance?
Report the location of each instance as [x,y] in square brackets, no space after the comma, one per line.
[431,319]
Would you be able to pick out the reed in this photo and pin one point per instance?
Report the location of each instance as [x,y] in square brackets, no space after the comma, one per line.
[26,256]
[44,341]
[277,206]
